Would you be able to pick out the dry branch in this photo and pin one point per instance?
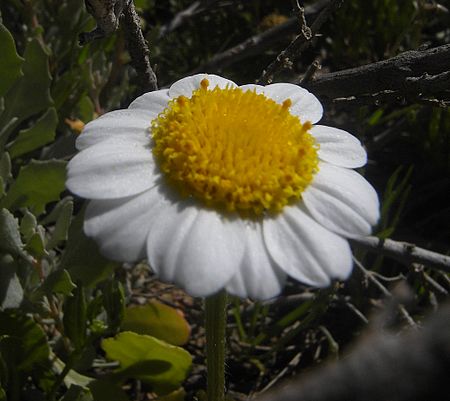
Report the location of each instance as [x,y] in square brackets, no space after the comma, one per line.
[404,252]
[139,52]
[411,73]
[107,14]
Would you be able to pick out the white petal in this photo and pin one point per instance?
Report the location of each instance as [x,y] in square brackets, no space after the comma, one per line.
[111,169]
[195,248]
[151,102]
[342,201]
[338,147]
[305,250]
[120,226]
[304,104]
[186,86]
[258,276]
[132,125]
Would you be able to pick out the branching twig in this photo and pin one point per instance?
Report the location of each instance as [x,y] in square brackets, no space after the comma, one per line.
[257,43]
[299,44]
[404,252]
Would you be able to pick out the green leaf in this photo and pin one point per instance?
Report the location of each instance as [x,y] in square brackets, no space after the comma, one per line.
[36,247]
[30,94]
[75,318]
[158,320]
[81,257]
[38,183]
[61,231]
[114,303]
[130,349]
[53,216]
[58,282]
[5,172]
[41,133]
[33,342]
[5,167]
[11,291]
[10,241]
[77,393]
[10,62]
[107,390]
[28,225]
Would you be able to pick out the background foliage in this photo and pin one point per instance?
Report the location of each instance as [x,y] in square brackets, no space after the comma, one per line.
[62,304]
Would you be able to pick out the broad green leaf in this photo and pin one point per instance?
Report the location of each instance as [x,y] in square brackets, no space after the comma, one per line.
[107,390]
[30,94]
[11,291]
[37,184]
[58,282]
[130,349]
[61,230]
[10,62]
[81,257]
[75,318]
[10,241]
[38,135]
[158,320]
[33,342]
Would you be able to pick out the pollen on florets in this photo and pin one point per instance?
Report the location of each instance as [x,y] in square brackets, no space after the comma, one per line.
[235,150]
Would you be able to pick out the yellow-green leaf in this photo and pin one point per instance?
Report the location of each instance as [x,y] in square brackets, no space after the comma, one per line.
[131,349]
[158,320]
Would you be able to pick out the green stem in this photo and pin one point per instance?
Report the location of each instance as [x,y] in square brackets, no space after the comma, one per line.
[215,323]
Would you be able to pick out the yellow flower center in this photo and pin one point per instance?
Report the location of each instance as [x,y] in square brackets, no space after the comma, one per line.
[235,150]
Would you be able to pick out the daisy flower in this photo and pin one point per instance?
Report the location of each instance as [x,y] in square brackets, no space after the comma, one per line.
[227,187]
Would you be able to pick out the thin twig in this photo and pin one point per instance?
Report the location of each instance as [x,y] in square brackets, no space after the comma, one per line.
[258,43]
[404,252]
[310,72]
[299,44]
[385,292]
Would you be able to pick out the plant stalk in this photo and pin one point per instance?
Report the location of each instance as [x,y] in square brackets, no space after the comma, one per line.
[215,324]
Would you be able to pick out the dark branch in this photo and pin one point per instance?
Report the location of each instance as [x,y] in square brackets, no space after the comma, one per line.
[107,13]
[408,74]
[139,52]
